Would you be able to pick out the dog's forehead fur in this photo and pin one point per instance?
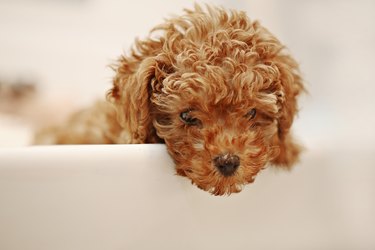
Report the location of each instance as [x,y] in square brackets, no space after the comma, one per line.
[219,58]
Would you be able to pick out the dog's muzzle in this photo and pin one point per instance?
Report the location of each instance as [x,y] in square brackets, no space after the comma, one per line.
[227,164]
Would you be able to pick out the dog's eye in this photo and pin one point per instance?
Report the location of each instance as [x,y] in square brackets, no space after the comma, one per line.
[188,119]
[251,114]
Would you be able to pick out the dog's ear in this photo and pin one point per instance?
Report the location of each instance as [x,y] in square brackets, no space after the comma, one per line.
[133,86]
[290,86]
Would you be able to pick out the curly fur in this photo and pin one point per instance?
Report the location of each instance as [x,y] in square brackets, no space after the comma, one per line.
[218,65]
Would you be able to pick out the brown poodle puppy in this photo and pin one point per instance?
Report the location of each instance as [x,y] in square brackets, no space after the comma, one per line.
[218,89]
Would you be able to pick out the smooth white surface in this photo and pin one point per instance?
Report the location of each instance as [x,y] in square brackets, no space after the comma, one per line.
[127,197]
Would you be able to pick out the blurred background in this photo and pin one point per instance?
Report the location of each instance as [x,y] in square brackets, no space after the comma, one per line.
[65,46]
[61,48]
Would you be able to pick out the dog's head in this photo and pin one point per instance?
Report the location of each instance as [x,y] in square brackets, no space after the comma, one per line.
[218,89]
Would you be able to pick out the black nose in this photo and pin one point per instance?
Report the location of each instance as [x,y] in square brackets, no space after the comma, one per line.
[227,164]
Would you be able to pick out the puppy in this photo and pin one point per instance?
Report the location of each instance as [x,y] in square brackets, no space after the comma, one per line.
[218,89]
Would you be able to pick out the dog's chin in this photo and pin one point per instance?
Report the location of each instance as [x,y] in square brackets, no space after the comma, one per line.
[217,184]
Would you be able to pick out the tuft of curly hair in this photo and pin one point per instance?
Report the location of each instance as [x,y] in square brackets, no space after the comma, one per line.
[218,89]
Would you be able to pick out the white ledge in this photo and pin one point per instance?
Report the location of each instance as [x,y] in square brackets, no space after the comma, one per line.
[128,197]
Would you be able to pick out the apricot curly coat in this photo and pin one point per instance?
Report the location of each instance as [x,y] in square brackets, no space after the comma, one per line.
[210,84]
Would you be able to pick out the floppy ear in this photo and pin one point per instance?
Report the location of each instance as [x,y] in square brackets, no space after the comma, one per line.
[131,96]
[290,87]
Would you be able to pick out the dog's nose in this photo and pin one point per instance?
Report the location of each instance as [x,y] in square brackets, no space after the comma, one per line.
[227,164]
